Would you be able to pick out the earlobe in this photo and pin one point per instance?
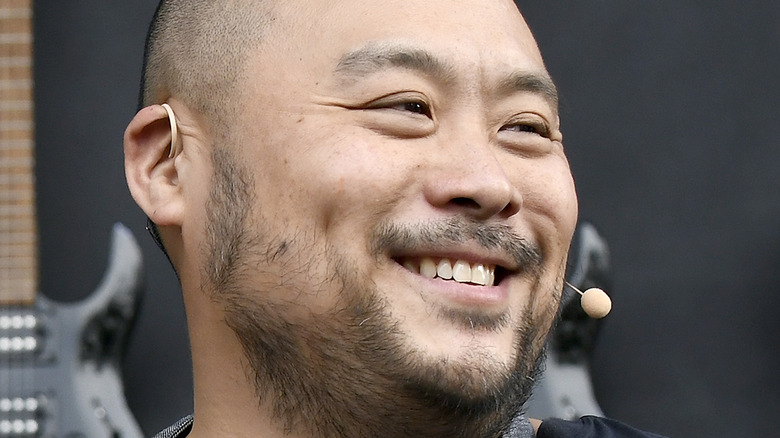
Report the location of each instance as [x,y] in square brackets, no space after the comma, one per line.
[150,165]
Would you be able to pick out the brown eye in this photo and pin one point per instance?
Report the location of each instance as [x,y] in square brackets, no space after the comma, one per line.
[532,128]
[402,115]
[527,134]
[405,102]
[416,107]
[527,128]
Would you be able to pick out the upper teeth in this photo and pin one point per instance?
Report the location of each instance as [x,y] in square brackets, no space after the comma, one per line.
[460,271]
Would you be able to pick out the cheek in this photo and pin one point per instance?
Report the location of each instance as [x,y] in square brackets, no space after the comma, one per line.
[329,177]
[550,199]
[556,184]
[565,204]
[356,166]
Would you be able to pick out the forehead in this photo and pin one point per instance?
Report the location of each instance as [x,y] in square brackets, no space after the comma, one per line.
[482,34]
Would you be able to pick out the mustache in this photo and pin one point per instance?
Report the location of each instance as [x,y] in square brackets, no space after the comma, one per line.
[391,238]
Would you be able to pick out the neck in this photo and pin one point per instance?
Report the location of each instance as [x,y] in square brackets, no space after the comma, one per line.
[18,236]
[225,403]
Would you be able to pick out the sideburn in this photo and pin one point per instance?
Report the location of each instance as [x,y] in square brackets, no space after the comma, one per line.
[227,211]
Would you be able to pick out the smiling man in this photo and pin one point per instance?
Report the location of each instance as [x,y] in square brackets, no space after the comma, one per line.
[368,206]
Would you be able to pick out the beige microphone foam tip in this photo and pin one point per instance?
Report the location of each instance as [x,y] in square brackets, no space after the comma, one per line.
[596,303]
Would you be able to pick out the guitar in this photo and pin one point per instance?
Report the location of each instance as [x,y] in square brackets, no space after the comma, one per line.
[565,390]
[59,363]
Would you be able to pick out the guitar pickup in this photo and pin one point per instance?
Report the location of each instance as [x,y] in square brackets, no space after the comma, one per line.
[19,334]
[20,416]
[18,345]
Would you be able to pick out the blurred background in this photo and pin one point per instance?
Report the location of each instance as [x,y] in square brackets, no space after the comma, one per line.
[671,123]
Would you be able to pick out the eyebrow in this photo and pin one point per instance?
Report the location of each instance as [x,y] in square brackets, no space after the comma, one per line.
[532,82]
[374,58]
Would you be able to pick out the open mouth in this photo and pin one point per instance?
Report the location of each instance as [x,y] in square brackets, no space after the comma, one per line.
[457,270]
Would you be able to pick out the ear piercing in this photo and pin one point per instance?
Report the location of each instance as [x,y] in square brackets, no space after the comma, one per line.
[174,131]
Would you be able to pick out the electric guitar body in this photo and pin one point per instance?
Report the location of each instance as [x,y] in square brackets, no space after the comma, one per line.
[59,362]
[565,390]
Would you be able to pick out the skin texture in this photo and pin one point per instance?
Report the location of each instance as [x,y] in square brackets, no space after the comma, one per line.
[367,135]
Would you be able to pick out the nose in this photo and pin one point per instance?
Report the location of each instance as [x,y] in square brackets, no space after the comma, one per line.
[473,182]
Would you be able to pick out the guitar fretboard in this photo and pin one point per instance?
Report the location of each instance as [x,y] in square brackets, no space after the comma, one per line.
[18,233]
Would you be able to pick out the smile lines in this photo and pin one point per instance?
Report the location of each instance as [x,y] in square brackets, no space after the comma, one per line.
[452,269]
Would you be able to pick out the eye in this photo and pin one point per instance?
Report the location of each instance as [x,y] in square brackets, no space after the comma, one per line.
[416,107]
[406,114]
[407,106]
[528,134]
[537,127]
[406,102]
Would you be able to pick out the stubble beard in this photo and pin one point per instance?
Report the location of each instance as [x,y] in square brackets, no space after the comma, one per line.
[348,371]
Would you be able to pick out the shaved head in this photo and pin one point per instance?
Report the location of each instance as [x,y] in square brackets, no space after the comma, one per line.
[196,50]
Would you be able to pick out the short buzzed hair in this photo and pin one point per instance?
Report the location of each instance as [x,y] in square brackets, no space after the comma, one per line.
[196,50]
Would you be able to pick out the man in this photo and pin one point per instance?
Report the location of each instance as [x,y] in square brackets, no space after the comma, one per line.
[368,207]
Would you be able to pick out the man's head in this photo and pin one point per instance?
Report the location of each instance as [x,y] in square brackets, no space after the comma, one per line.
[196,50]
[371,211]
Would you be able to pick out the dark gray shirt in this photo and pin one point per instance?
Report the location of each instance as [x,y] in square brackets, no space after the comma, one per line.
[585,427]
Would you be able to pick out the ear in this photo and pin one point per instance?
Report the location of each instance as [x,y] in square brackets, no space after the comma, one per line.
[557,135]
[151,174]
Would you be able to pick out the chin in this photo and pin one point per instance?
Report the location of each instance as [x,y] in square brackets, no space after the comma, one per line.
[472,355]
[478,379]
[477,341]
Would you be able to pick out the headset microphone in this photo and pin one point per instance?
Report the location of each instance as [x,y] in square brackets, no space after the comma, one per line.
[594,301]
[174,131]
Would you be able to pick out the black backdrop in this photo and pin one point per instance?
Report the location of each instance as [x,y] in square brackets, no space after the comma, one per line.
[670,112]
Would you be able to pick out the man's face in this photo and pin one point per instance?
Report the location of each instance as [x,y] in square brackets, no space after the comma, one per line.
[391,146]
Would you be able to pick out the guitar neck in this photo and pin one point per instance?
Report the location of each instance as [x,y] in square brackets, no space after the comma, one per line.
[18,231]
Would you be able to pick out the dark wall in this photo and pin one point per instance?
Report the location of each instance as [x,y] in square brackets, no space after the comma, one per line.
[670,115]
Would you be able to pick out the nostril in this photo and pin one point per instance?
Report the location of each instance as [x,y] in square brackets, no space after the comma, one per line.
[465,202]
